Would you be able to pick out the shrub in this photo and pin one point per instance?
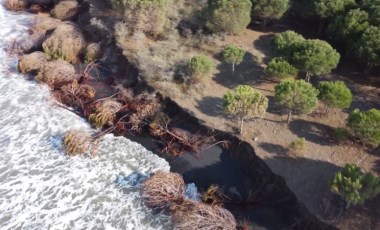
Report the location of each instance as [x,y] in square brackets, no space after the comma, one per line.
[298,147]
[354,186]
[286,43]
[230,16]
[335,94]
[366,126]
[148,16]
[163,190]
[280,68]
[269,9]
[199,66]
[195,215]
[105,113]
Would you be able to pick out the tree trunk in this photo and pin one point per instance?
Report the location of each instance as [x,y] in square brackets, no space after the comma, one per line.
[233,67]
[368,69]
[321,27]
[289,115]
[308,76]
[347,205]
[241,125]
[264,23]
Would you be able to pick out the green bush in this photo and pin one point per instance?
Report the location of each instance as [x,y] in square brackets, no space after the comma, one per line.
[354,186]
[335,94]
[366,126]
[230,16]
[199,66]
[280,68]
[233,55]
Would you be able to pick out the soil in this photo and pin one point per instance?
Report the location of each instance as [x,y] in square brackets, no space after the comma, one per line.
[307,175]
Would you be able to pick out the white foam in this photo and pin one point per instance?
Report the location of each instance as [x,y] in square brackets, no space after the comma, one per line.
[40,188]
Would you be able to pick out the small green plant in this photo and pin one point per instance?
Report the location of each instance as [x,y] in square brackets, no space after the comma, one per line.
[354,186]
[280,68]
[298,147]
[234,55]
[199,66]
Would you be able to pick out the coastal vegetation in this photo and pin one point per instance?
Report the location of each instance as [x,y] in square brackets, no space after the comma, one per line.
[140,51]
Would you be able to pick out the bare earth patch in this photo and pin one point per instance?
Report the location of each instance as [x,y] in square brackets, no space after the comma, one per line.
[306,175]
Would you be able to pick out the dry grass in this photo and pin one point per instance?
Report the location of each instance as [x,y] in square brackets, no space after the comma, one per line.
[67,42]
[195,215]
[163,190]
[75,94]
[76,142]
[33,62]
[105,113]
[57,74]
[15,5]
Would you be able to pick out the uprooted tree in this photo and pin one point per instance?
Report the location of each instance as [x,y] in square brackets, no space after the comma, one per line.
[354,186]
[296,96]
[245,102]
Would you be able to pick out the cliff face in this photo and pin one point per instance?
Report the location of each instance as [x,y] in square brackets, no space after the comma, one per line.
[255,194]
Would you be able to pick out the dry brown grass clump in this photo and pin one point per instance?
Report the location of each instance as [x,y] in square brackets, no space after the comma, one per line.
[32,63]
[105,113]
[57,74]
[67,42]
[163,190]
[195,215]
[75,94]
[76,142]
[15,5]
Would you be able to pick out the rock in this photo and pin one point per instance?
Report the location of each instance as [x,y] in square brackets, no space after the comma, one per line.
[32,63]
[65,10]
[57,73]
[93,52]
[15,5]
[66,42]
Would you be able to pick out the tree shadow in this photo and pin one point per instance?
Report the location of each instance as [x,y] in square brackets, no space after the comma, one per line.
[312,131]
[211,106]
[274,107]
[248,72]
[307,178]
[263,44]
[273,148]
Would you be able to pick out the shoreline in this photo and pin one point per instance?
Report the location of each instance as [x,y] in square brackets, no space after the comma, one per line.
[276,199]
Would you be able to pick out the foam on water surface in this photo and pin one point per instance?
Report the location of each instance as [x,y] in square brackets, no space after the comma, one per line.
[41,188]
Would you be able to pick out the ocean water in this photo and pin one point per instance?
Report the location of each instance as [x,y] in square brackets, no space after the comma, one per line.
[41,188]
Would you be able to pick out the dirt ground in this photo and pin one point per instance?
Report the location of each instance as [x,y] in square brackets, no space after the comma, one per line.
[307,176]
